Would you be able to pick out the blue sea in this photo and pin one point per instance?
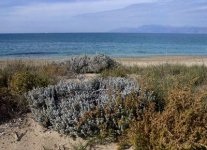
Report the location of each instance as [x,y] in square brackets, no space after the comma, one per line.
[113,44]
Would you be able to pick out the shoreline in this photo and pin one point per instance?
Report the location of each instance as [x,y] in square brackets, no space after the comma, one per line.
[128,61]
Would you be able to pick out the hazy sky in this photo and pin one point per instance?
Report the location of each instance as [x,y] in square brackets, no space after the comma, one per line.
[97,15]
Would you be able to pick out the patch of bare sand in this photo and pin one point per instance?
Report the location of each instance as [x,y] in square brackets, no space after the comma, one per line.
[26,134]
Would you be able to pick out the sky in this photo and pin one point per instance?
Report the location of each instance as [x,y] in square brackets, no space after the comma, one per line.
[44,16]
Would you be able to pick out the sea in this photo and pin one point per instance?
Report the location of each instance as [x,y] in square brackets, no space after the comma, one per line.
[48,45]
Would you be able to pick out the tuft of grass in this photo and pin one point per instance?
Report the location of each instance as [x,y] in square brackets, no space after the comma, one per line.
[11,105]
[22,82]
[115,72]
[56,71]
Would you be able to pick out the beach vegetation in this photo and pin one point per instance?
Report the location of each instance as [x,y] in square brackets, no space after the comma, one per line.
[95,106]
[11,105]
[119,71]
[16,78]
[150,107]
[22,82]
[91,64]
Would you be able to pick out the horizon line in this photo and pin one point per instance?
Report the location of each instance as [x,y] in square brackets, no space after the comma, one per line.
[100,33]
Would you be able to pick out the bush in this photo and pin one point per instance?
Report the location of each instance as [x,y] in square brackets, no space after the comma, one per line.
[180,126]
[183,121]
[22,82]
[16,79]
[9,70]
[3,81]
[83,109]
[90,64]
[56,71]
[10,105]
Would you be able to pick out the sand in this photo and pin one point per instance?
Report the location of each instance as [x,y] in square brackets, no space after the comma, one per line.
[130,61]
[158,60]
[26,134]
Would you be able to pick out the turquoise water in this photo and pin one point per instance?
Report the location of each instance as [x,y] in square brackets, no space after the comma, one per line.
[114,44]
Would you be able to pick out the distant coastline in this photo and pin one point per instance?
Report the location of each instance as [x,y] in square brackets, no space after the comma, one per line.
[162,29]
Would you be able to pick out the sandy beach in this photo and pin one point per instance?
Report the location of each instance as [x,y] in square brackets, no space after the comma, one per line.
[158,60]
[128,61]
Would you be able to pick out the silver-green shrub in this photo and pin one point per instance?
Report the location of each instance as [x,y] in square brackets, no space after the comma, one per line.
[90,64]
[65,106]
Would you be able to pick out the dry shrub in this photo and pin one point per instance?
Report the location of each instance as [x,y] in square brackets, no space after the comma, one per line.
[3,81]
[138,134]
[182,125]
[22,82]
[11,105]
[55,71]
[7,72]
[19,77]
[91,64]
[12,101]
[183,120]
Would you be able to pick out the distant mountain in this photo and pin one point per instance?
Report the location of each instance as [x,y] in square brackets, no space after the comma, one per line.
[192,13]
[162,29]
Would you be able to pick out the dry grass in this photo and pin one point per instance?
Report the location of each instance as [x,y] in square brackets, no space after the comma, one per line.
[18,77]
